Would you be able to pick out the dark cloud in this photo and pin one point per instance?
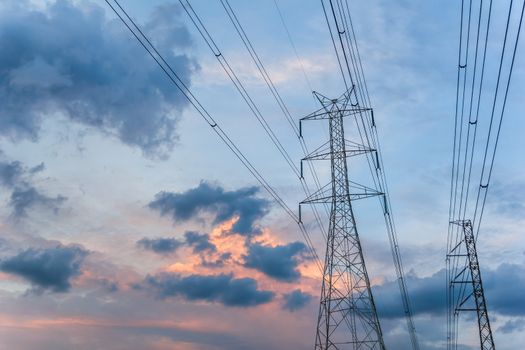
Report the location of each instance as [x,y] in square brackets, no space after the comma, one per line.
[38,168]
[427,294]
[295,300]
[10,173]
[15,174]
[214,200]
[23,199]
[279,262]
[223,289]
[160,245]
[48,268]
[207,251]
[504,289]
[18,178]
[67,59]
[511,326]
[217,261]
[200,242]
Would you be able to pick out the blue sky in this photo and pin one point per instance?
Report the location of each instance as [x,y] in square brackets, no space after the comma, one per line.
[109,243]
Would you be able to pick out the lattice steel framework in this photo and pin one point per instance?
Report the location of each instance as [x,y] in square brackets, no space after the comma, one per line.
[466,288]
[347,313]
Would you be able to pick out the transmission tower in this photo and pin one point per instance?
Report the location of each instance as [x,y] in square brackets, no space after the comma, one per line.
[466,288]
[347,313]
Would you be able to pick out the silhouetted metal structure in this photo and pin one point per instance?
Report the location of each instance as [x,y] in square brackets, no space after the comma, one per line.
[347,312]
[342,34]
[484,73]
[466,287]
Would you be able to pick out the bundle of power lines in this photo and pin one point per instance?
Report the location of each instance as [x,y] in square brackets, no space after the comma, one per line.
[172,75]
[483,79]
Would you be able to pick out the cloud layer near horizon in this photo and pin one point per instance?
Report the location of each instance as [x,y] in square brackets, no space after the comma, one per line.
[427,294]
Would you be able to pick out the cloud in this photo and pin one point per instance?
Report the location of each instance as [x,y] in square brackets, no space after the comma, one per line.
[214,200]
[37,168]
[160,245]
[17,178]
[223,289]
[511,326]
[207,251]
[24,198]
[10,173]
[279,262]
[48,268]
[200,242]
[427,294]
[217,262]
[501,298]
[67,59]
[295,300]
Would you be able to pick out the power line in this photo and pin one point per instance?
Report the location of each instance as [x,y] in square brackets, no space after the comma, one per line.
[458,118]
[283,22]
[334,45]
[212,45]
[484,186]
[280,102]
[266,77]
[203,31]
[459,269]
[175,79]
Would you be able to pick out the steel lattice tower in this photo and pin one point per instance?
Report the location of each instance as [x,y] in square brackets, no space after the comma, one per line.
[466,288]
[347,313]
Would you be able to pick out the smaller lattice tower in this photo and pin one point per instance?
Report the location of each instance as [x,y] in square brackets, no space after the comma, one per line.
[466,288]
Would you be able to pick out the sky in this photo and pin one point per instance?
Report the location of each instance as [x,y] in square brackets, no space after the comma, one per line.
[126,224]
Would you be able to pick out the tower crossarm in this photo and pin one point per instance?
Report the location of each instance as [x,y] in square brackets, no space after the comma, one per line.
[325,194]
[323,114]
[323,152]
